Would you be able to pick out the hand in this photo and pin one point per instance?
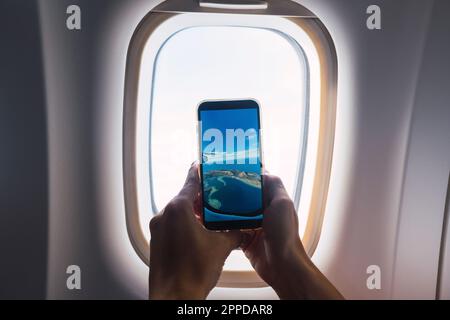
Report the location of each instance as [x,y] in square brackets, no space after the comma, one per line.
[277,254]
[186,259]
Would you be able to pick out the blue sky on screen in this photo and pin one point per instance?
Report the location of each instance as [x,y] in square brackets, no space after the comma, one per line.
[233,119]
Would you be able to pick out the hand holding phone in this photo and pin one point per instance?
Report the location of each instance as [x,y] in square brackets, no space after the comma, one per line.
[186,259]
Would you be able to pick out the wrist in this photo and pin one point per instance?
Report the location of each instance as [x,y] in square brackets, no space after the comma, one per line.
[176,289]
[301,279]
[295,280]
[176,294]
[292,270]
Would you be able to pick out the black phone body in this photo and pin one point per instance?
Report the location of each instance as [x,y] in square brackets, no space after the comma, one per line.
[231,164]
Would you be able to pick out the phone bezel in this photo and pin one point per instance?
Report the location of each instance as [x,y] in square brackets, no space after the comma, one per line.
[230,105]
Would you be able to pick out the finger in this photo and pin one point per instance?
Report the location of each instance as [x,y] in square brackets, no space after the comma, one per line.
[191,188]
[255,248]
[198,208]
[233,237]
[273,188]
[185,201]
[247,238]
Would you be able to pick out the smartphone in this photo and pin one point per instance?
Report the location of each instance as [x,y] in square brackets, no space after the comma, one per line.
[230,164]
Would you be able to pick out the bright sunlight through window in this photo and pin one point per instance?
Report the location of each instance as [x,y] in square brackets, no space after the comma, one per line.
[206,63]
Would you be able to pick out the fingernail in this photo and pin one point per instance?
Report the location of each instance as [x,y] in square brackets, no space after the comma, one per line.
[245,239]
[194,163]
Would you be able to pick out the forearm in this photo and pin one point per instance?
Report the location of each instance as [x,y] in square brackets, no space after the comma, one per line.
[169,288]
[299,278]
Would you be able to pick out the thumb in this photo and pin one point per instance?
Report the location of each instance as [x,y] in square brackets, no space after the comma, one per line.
[191,188]
[232,238]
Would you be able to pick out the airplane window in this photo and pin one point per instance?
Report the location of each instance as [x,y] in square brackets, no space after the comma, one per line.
[287,65]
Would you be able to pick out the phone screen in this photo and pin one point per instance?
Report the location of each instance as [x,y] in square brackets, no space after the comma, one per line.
[231,164]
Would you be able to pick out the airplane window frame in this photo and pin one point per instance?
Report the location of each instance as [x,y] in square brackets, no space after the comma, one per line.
[150,36]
